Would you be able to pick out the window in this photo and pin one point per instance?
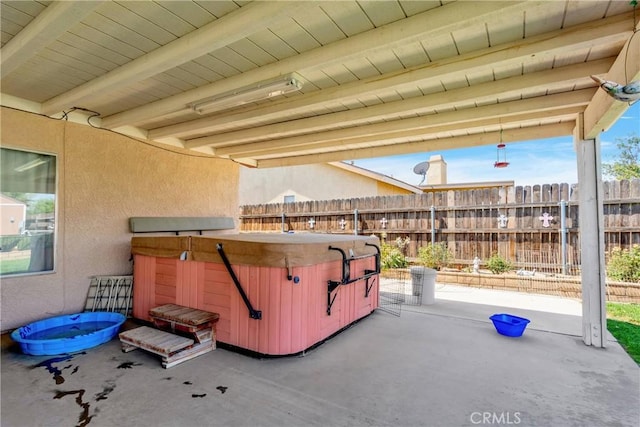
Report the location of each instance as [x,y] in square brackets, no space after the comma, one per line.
[27,212]
[289,199]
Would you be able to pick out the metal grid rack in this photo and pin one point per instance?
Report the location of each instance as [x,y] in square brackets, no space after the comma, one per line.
[110,293]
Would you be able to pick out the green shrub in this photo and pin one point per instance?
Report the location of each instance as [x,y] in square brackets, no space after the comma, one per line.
[624,264]
[391,256]
[436,256]
[25,243]
[9,243]
[497,264]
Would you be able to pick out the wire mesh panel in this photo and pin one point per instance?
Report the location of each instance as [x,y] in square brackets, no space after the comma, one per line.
[392,291]
[110,293]
[413,291]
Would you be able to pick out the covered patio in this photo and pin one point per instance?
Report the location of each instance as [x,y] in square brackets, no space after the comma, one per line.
[152,108]
[437,365]
[275,84]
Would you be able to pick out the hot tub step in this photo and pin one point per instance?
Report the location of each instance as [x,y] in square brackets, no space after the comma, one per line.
[155,341]
[187,354]
[174,349]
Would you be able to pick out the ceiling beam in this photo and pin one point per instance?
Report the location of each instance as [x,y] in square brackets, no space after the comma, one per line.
[443,144]
[215,35]
[485,92]
[604,111]
[523,109]
[441,20]
[471,127]
[546,45]
[52,22]
[417,126]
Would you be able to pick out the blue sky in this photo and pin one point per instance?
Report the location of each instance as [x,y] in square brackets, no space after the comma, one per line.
[546,161]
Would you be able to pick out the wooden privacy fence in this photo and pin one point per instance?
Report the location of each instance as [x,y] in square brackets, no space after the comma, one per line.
[524,224]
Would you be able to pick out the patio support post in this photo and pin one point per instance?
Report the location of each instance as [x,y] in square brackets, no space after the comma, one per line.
[594,322]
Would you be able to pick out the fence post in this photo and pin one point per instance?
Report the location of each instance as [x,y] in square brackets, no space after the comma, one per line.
[563,234]
[355,222]
[433,225]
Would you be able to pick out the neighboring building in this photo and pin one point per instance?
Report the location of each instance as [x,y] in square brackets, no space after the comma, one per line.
[12,216]
[323,181]
[340,180]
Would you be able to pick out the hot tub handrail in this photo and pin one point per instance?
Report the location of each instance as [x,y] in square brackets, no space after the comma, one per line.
[346,264]
[378,255]
[254,314]
[346,273]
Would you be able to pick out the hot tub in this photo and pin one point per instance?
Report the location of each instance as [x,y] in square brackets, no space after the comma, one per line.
[276,294]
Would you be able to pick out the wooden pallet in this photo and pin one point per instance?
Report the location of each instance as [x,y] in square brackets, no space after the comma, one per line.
[174,349]
[199,323]
[183,315]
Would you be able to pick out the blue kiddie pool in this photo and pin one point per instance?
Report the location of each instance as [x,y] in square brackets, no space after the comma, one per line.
[69,333]
[509,325]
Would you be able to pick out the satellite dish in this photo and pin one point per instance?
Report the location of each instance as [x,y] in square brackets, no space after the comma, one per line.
[421,169]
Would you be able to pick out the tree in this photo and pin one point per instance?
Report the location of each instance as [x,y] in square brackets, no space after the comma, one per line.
[627,165]
[43,206]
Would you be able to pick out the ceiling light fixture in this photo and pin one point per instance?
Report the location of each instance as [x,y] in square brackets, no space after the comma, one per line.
[32,164]
[257,92]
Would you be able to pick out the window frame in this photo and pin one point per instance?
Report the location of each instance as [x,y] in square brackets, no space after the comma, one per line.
[55,230]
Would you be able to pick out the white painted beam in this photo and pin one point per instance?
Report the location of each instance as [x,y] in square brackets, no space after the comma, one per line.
[52,22]
[443,144]
[427,104]
[528,121]
[215,35]
[260,134]
[604,111]
[488,115]
[20,103]
[441,20]
[591,226]
[543,46]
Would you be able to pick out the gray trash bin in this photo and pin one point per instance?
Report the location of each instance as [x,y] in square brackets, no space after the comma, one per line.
[423,280]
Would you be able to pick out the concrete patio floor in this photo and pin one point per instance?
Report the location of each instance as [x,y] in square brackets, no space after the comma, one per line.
[437,365]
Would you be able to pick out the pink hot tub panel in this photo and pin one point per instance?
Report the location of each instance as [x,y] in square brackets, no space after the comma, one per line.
[276,294]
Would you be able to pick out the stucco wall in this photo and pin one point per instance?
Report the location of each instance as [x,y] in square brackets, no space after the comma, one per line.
[104,179]
[308,182]
[384,189]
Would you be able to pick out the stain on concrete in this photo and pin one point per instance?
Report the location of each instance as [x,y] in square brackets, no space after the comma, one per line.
[222,388]
[106,390]
[128,365]
[49,365]
[83,418]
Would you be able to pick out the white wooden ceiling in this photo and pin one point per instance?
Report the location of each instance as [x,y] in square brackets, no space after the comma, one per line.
[379,77]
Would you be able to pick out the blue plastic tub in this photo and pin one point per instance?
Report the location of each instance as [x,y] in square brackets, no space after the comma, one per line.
[69,333]
[509,325]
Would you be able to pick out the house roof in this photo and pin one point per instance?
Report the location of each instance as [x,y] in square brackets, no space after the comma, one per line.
[466,186]
[6,200]
[378,77]
[386,179]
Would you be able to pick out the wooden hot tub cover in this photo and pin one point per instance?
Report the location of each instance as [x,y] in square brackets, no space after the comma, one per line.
[262,249]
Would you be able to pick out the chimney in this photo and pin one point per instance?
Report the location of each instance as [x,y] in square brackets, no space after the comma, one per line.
[437,173]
